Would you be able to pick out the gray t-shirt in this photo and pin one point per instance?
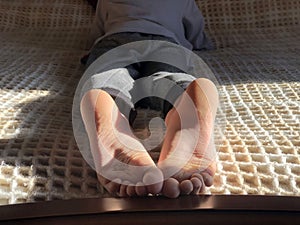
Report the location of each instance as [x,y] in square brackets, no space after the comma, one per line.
[177,19]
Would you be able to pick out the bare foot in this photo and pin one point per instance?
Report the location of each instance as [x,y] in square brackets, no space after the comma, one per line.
[187,158]
[123,165]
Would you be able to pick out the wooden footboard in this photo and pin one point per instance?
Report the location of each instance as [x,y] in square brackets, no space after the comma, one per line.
[158,210]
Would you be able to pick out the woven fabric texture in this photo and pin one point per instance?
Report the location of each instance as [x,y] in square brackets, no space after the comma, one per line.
[256,63]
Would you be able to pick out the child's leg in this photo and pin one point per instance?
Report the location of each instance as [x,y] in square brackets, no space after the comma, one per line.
[123,165]
[200,168]
[118,145]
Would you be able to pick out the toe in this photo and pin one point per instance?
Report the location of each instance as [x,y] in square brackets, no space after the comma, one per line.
[123,191]
[113,187]
[197,185]
[131,191]
[102,180]
[186,187]
[154,188]
[171,188]
[140,189]
[153,180]
[199,176]
[207,178]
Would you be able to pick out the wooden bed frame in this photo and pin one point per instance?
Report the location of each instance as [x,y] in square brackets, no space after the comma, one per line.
[158,210]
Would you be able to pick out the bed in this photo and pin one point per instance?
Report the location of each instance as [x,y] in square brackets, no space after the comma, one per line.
[256,62]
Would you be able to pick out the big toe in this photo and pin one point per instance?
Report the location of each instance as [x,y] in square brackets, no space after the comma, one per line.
[153,180]
[171,188]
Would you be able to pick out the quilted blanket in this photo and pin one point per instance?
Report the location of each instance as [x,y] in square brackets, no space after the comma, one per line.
[256,62]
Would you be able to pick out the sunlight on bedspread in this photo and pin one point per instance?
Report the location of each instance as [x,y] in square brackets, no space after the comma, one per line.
[40,68]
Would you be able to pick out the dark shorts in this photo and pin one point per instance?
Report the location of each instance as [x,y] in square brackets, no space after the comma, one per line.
[136,70]
[139,70]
